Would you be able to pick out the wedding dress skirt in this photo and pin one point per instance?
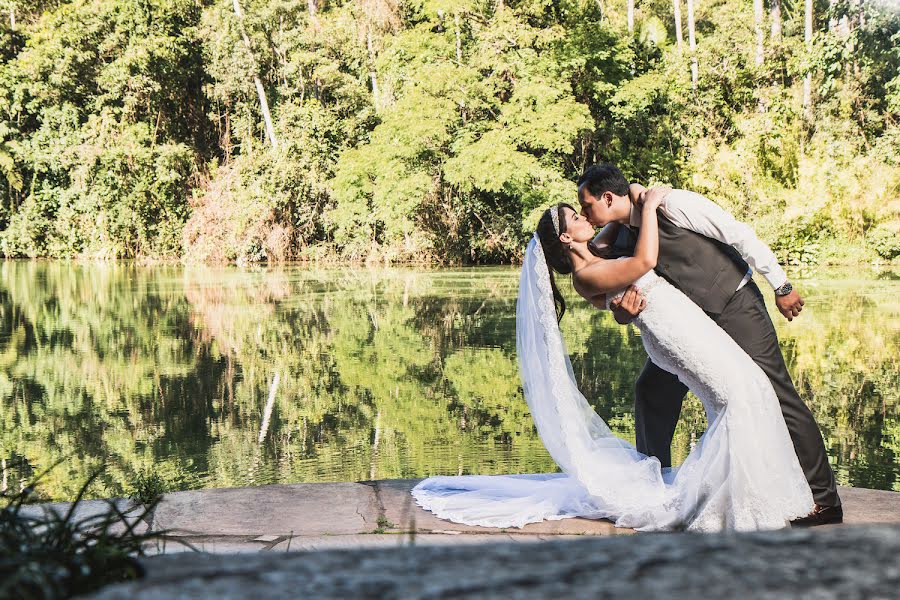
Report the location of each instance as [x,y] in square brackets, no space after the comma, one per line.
[743,473]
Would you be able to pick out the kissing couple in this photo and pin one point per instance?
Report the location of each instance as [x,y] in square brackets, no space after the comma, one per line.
[678,267]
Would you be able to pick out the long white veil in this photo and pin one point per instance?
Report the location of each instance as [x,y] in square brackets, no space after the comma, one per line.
[580,442]
[604,476]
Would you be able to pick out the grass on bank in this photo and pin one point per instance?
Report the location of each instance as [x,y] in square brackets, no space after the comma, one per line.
[45,554]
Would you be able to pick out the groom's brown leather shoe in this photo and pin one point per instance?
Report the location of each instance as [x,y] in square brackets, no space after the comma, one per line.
[821,515]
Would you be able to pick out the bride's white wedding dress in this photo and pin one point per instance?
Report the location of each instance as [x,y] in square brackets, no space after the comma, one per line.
[743,474]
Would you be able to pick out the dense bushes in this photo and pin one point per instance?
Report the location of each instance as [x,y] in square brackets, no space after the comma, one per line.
[430,130]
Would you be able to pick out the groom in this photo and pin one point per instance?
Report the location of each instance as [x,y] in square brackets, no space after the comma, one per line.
[707,254]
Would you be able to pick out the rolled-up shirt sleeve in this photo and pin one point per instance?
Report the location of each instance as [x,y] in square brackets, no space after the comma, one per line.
[697,213]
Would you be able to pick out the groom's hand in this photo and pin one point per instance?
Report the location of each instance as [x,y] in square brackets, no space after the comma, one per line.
[628,306]
[789,305]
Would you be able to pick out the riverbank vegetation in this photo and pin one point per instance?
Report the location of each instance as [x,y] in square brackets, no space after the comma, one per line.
[435,130]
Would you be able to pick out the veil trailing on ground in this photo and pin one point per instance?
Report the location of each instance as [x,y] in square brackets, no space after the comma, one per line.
[603,475]
[577,438]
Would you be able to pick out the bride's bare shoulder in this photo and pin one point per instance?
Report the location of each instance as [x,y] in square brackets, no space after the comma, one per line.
[583,281]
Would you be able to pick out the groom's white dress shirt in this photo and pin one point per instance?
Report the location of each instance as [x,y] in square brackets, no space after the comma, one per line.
[697,213]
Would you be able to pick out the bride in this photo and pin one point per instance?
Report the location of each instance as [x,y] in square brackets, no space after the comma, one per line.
[743,474]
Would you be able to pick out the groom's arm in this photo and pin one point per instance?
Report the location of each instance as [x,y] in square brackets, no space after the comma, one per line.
[695,212]
[604,240]
[628,306]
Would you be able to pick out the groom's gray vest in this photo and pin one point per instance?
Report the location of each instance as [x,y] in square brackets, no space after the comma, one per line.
[706,270]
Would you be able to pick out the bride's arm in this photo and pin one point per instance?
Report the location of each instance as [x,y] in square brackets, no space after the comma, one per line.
[605,276]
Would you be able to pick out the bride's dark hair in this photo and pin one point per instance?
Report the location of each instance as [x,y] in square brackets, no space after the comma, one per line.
[555,252]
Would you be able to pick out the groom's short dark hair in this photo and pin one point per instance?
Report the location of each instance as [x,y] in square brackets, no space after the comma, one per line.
[603,177]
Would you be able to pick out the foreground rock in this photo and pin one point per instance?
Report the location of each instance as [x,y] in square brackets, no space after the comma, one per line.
[840,562]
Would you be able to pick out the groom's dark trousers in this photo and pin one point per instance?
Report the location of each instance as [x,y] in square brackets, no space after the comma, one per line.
[695,264]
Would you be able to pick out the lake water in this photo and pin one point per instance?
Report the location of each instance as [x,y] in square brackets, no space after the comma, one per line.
[213,377]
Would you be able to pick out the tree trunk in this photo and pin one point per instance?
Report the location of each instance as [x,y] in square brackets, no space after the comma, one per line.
[270,129]
[775,13]
[462,104]
[312,8]
[758,28]
[692,40]
[267,411]
[458,38]
[630,16]
[807,37]
[373,462]
[12,16]
[264,104]
[373,76]
[679,37]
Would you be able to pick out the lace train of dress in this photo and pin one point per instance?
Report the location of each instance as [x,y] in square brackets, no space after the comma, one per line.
[743,474]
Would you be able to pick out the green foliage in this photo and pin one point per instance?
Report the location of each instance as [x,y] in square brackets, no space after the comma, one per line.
[800,242]
[101,100]
[475,137]
[885,240]
[148,487]
[57,554]
[429,130]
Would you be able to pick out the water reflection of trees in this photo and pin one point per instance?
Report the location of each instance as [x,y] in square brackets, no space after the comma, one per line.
[843,354]
[98,367]
[219,377]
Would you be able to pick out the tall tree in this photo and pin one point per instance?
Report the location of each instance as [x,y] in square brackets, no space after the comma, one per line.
[807,38]
[630,16]
[260,90]
[758,29]
[312,9]
[373,74]
[692,40]
[458,33]
[381,16]
[775,15]
[679,37]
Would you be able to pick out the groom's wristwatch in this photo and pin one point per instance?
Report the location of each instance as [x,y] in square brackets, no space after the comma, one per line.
[784,290]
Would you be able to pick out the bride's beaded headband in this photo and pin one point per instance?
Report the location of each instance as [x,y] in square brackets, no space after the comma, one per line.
[554,215]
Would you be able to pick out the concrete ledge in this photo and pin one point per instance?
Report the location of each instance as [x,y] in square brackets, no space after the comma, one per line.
[301,509]
[90,511]
[862,506]
[371,514]
[401,510]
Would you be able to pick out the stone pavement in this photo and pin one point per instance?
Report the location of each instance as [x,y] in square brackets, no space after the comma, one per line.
[330,516]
